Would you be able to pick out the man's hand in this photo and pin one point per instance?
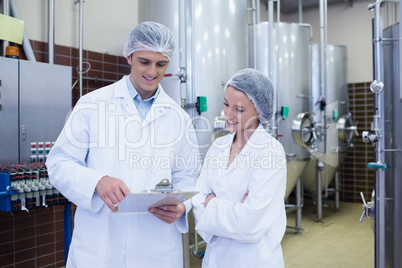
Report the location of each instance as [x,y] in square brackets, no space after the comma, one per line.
[168,214]
[112,191]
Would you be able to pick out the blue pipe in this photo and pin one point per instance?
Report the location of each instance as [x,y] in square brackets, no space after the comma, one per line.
[67,230]
[8,192]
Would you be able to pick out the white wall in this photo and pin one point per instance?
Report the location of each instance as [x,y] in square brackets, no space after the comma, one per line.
[106,23]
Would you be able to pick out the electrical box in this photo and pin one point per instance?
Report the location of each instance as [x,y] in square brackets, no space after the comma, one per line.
[285,111]
[35,99]
[9,110]
[201,104]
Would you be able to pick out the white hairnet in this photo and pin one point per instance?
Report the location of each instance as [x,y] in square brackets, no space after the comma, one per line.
[150,36]
[259,90]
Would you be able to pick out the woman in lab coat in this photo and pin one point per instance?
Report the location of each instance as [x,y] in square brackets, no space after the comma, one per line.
[122,138]
[240,210]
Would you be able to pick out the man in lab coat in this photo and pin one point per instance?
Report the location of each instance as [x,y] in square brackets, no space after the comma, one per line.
[120,139]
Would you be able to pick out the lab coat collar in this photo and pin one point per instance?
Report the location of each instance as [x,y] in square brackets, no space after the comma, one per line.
[159,107]
[222,144]
[121,91]
[255,140]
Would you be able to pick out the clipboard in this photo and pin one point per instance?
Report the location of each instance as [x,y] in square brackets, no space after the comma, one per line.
[141,202]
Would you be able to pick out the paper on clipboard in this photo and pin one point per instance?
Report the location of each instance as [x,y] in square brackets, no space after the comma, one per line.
[141,202]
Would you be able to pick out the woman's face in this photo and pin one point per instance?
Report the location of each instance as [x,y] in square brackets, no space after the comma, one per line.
[240,113]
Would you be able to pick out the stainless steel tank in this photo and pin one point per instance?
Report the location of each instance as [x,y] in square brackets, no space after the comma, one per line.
[393,149]
[216,48]
[332,147]
[293,85]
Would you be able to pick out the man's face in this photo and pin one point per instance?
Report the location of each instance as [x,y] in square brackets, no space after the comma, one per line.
[147,70]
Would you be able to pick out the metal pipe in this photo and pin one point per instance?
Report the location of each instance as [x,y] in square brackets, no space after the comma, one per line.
[323,43]
[80,46]
[6,11]
[270,38]
[395,15]
[311,41]
[196,246]
[337,190]
[379,125]
[386,19]
[275,71]
[182,52]
[300,11]
[51,31]
[323,97]
[273,130]
[26,45]
[400,51]
[254,34]
[278,10]
[299,204]
[96,79]
[320,168]
[373,5]
[67,230]
[186,250]
[183,97]
[190,58]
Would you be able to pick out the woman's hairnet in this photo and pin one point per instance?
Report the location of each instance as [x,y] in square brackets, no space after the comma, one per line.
[259,90]
[150,36]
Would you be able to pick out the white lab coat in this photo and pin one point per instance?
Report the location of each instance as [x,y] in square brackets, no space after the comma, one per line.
[243,234]
[104,136]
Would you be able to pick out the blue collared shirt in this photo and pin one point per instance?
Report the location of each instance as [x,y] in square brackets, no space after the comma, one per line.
[143,106]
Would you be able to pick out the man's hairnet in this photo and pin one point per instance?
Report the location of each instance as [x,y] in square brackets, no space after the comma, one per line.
[258,88]
[150,36]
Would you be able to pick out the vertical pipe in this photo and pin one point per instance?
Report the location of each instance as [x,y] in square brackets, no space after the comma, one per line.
[26,45]
[274,130]
[400,51]
[190,55]
[300,11]
[258,10]
[51,31]
[183,97]
[270,38]
[298,204]
[275,66]
[67,230]
[337,190]
[323,95]
[6,11]
[395,15]
[182,52]
[80,54]
[379,145]
[320,167]
[386,12]
[323,44]
[254,10]
[278,10]
[186,250]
